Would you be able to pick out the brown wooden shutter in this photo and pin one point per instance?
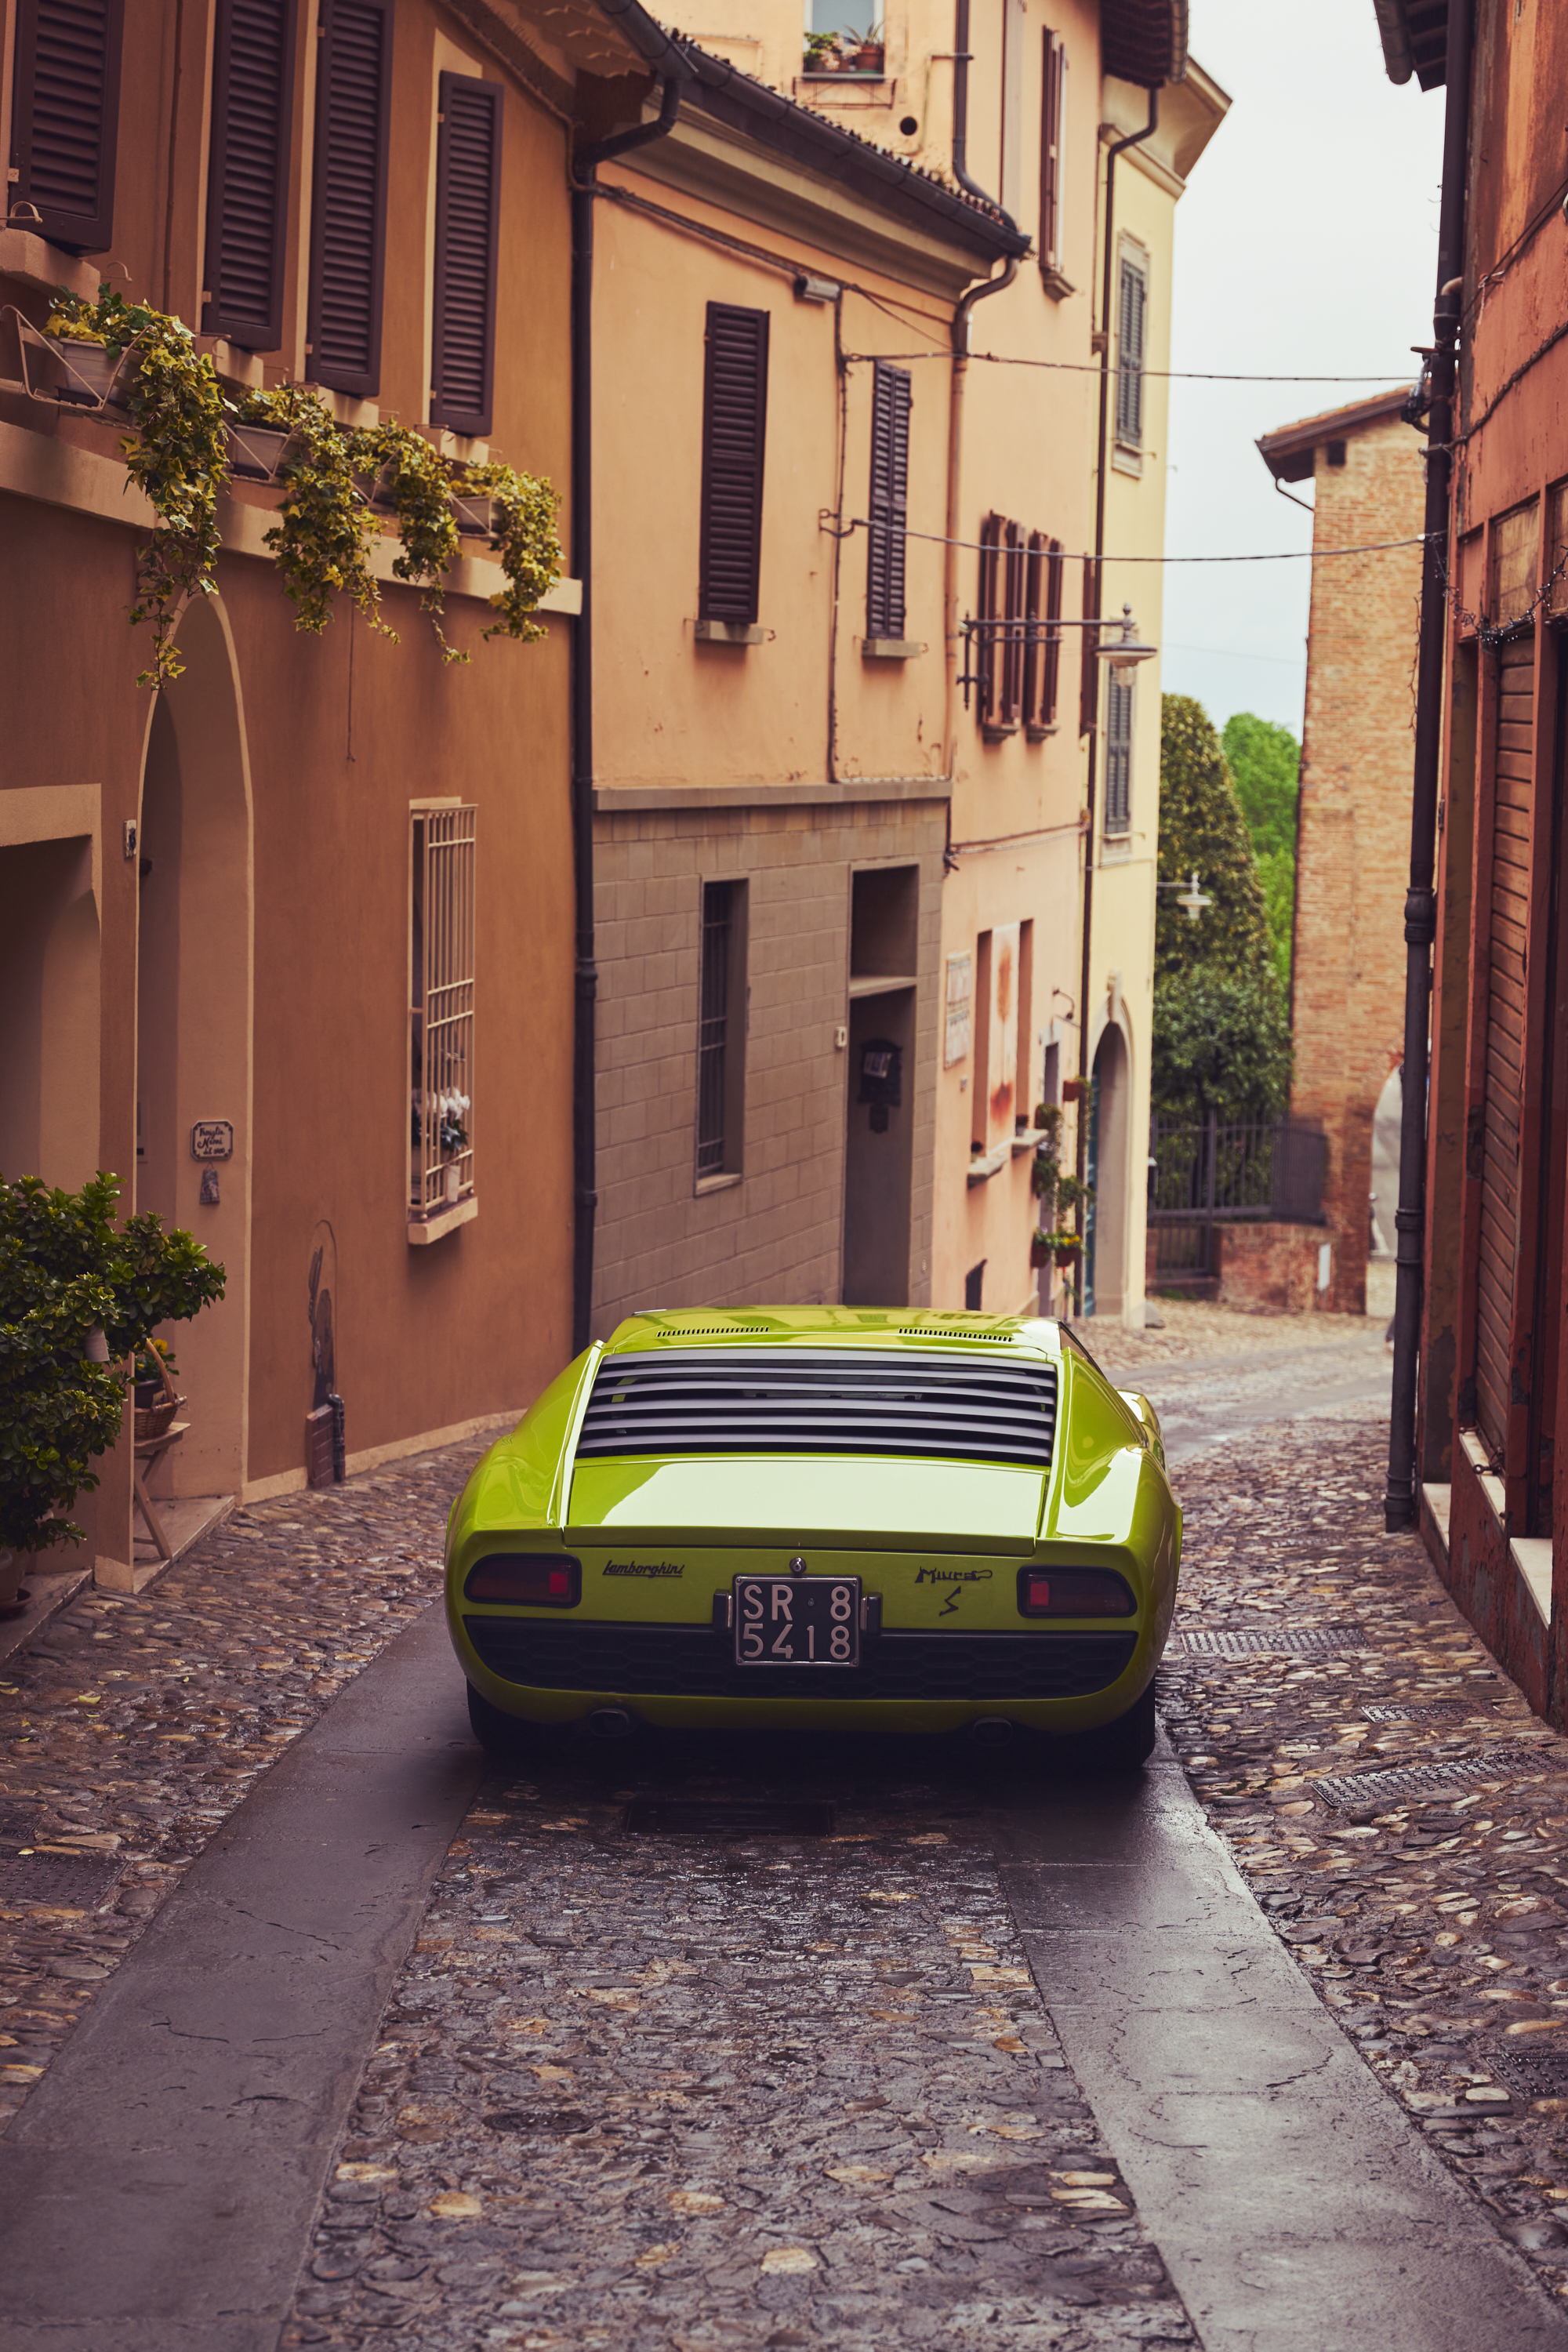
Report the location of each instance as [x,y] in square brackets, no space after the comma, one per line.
[1013,627]
[1514,770]
[467,224]
[348,215]
[1051,87]
[248,174]
[1054,564]
[989,615]
[891,401]
[734,435]
[65,118]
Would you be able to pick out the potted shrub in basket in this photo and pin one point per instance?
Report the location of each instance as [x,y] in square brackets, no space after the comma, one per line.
[77,1295]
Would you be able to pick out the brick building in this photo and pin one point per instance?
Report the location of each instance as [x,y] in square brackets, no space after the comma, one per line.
[1353,825]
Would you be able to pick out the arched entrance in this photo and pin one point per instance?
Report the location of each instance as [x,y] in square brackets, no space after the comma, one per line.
[1105,1256]
[193,1030]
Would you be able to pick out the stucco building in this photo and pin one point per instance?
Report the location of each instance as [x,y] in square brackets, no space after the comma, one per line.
[1352,821]
[1032,766]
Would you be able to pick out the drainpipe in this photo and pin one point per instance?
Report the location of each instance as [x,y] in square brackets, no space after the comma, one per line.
[586,1198]
[967,301]
[1094,590]
[1420,905]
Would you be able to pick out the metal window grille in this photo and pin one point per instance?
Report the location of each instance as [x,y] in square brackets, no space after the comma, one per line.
[713,1034]
[1118,754]
[441,1009]
[1132,315]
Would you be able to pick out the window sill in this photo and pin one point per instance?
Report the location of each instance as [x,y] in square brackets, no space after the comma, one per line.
[1057,287]
[988,1164]
[868,984]
[431,1228]
[718,1184]
[1115,848]
[36,262]
[1030,1140]
[1127,461]
[992,731]
[890,648]
[843,73]
[1041,734]
[730,632]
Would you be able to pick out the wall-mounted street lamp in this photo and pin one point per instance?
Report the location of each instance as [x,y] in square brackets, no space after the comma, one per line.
[1122,651]
[1190,898]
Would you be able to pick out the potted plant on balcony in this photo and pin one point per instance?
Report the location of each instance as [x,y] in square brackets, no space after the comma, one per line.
[324,529]
[77,1295]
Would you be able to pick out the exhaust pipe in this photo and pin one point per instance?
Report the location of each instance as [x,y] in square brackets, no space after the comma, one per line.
[992,1731]
[610,1723]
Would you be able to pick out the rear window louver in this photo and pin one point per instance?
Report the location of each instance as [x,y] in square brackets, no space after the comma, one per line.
[815,1401]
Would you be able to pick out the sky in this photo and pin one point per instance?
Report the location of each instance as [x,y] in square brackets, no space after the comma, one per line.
[1305,243]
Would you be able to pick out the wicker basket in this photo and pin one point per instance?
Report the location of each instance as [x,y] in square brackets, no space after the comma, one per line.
[152,1420]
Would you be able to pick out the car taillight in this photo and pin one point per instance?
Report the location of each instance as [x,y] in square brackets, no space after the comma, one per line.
[528,1580]
[1074,1592]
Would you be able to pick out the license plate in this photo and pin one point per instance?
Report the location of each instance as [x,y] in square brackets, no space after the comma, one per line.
[797,1621]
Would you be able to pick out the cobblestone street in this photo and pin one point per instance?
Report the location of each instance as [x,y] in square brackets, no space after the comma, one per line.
[743,2077]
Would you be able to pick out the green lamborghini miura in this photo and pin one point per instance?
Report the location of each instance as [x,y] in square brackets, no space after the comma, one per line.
[821,1519]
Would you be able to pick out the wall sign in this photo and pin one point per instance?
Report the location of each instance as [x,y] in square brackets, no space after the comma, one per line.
[960,1025]
[212,1138]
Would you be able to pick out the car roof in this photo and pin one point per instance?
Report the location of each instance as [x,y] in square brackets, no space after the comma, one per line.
[652,1329]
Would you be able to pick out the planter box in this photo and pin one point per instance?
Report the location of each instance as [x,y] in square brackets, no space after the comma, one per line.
[85,375]
[476,517]
[256,453]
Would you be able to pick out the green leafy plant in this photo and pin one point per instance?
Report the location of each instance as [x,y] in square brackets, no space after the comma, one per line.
[527,542]
[150,1362]
[819,47]
[1264,762]
[1220,1041]
[178,454]
[77,1295]
[419,488]
[324,529]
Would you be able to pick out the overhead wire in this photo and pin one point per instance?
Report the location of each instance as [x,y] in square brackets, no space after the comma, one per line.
[1094,367]
[1273,555]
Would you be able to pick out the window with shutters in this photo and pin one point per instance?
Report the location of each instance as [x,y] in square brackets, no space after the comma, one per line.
[1053,91]
[1132,316]
[1042,634]
[467,216]
[348,205]
[248,172]
[441,960]
[722,1034]
[1118,754]
[735,433]
[890,398]
[65,119]
[1000,635]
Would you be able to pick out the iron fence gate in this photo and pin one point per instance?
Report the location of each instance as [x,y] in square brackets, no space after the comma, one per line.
[1212,1172]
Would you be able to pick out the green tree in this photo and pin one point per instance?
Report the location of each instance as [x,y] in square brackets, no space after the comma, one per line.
[1221,1042]
[1202,829]
[1265,763]
[77,1295]
[1221,1039]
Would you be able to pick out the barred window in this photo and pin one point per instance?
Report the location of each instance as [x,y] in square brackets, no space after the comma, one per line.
[721,1031]
[441,938]
[1117,753]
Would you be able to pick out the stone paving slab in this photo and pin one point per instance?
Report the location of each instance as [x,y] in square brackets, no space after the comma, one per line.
[1434,1926]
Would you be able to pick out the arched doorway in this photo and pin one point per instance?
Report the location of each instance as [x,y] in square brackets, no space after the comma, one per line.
[193,1030]
[1105,1256]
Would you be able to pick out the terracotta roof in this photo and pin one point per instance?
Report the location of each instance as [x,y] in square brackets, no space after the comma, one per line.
[1289,453]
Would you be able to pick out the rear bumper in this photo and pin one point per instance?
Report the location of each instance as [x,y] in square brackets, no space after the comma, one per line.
[685,1675]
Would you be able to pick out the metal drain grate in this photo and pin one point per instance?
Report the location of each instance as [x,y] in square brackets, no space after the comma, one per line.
[40,1878]
[1422,1714]
[1538,2075]
[713,1817]
[1260,1640]
[1354,1788]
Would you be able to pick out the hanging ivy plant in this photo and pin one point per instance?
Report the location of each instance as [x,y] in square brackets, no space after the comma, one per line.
[418,488]
[324,529]
[178,457]
[526,542]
